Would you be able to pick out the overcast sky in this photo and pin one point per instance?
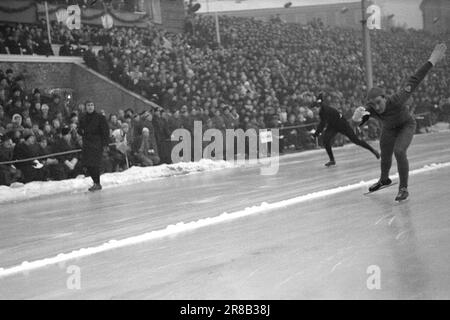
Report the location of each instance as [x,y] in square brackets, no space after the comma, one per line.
[405,11]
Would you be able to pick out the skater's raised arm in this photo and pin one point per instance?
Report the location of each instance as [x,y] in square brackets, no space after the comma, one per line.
[413,82]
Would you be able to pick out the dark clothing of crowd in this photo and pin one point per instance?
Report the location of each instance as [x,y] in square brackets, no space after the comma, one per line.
[263,75]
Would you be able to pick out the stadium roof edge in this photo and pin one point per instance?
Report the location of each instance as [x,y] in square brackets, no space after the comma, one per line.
[244,5]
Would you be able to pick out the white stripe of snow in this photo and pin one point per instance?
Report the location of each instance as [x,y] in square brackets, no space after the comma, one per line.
[133,175]
[180,227]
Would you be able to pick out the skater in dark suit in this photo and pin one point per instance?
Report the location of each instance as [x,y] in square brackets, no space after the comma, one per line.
[94,130]
[398,125]
[335,123]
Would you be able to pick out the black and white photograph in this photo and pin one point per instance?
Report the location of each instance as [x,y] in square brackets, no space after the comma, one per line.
[225,155]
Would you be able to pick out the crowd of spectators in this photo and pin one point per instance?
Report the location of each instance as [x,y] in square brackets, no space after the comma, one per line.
[38,125]
[262,75]
[262,68]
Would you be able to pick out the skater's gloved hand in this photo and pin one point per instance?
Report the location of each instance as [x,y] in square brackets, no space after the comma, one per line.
[314,133]
[438,53]
[359,113]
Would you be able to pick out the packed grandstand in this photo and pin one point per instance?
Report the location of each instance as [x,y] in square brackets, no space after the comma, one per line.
[262,75]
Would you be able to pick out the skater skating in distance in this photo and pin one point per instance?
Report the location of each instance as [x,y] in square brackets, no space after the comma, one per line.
[398,125]
[335,123]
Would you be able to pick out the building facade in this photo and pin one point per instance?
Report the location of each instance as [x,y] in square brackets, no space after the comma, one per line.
[169,14]
[436,15]
[345,15]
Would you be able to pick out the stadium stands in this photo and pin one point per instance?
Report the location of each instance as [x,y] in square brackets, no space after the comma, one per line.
[263,75]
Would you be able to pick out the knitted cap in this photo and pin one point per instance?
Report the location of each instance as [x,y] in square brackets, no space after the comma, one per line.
[375,92]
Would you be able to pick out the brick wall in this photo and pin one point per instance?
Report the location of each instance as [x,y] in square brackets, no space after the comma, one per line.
[104,93]
[42,75]
[172,12]
[86,83]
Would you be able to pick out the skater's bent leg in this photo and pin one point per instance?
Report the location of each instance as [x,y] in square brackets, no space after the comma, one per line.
[328,137]
[402,143]
[348,131]
[387,142]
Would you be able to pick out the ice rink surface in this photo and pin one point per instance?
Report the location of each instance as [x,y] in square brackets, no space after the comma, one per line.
[318,249]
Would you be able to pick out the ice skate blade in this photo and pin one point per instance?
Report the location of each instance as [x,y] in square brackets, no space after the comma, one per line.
[381,188]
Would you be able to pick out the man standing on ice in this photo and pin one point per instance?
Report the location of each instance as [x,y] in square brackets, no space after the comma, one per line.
[335,123]
[398,125]
[94,130]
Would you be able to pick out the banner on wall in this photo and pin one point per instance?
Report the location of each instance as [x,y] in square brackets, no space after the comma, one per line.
[61,15]
[107,21]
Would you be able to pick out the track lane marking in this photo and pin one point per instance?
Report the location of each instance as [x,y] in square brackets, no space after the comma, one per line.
[180,227]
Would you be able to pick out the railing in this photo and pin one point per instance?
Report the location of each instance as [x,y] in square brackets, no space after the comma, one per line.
[309,125]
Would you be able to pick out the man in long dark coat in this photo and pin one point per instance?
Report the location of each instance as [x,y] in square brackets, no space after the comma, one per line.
[95,133]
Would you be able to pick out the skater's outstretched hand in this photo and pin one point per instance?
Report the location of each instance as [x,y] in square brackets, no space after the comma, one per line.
[438,53]
[359,113]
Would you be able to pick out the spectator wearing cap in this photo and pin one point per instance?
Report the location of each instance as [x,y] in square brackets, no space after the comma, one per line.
[4,119]
[68,165]
[17,93]
[43,116]
[114,122]
[29,47]
[81,108]
[115,70]
[90,58]
[31,169]
[12,44]
[44,48]
[19,82]
[235,116]
[48,133]
[147,122]
[16,122]
[27,123]
[36,96]
[228,118]
[163,141]
[50,164]
[3,94]
[145,149]
[36,131]
[9,77]
[8,173]
[95,133]
[66,49]
[121,115]
[121,150]
[3,48]
[56,105]
[218,121]
[260,122]
[185,119]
